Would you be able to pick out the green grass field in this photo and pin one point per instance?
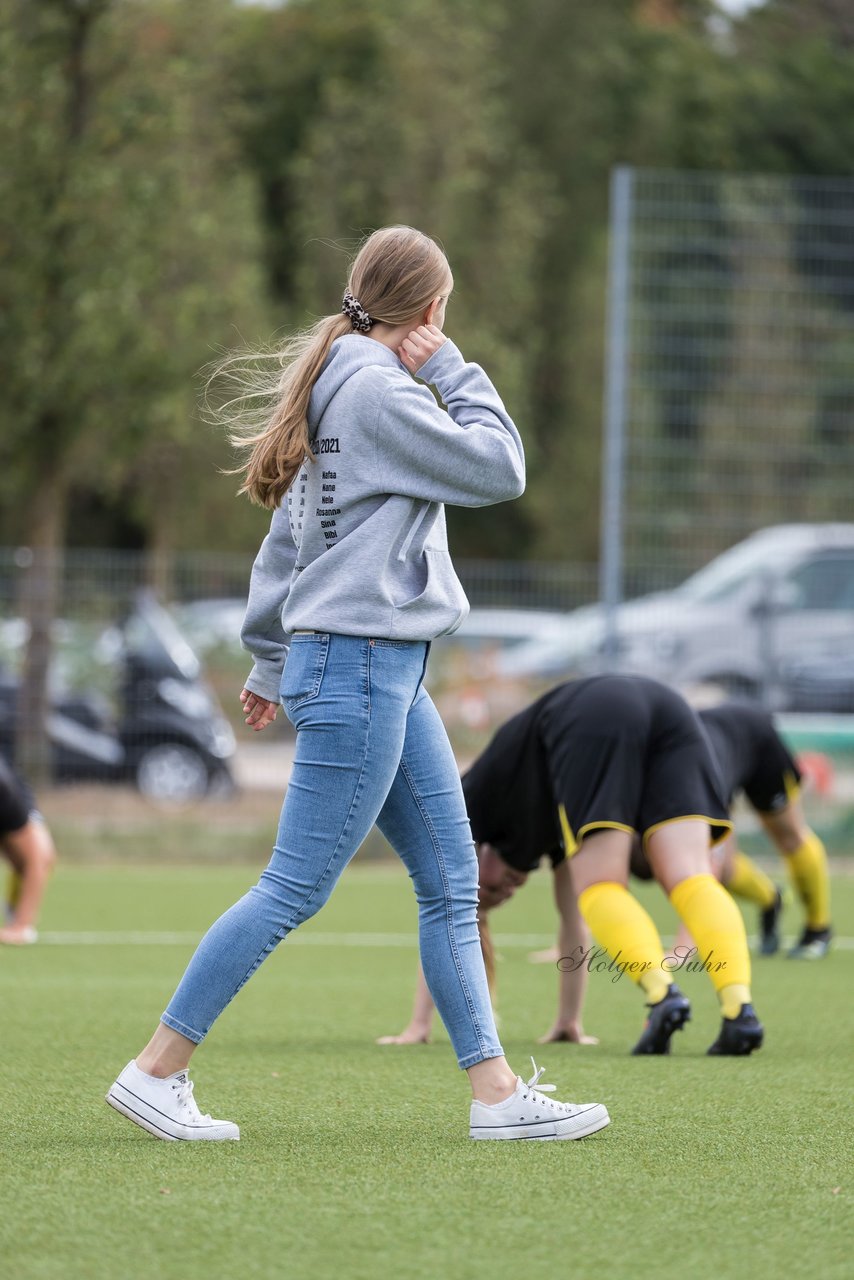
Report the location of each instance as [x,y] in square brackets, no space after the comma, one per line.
[354,1159]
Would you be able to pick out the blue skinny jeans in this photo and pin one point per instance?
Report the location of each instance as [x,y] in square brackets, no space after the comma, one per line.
[371,748]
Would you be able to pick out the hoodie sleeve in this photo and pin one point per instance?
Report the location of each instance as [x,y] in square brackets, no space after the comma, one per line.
[469,455]
[262,632]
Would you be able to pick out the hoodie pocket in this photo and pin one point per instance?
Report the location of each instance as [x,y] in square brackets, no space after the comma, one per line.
[438,607]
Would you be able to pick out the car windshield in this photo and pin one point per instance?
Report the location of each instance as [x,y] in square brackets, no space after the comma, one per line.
[726,575]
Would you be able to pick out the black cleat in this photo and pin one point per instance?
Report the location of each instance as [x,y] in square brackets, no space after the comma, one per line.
[769,922]
[739,1036]
[813,944]
[669,1015]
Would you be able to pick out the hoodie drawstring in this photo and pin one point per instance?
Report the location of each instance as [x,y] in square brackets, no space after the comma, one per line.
[416,525]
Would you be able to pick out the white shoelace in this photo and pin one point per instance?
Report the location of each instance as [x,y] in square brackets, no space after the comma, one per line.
[539,1089]
[535,1080]
[184,1090]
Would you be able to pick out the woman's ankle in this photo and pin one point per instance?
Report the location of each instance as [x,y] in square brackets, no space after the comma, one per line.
[150,1065]
[166,1052]
[491,1080]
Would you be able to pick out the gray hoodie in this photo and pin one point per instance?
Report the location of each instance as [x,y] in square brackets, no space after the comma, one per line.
[359,547]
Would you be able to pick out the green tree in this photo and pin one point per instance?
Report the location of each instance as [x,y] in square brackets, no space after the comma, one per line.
[407,123]
[129,246]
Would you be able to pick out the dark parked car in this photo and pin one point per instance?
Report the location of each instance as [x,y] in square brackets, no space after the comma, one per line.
[169,735]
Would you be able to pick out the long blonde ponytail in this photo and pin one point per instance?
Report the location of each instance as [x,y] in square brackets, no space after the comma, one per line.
[277,440]
[396,274]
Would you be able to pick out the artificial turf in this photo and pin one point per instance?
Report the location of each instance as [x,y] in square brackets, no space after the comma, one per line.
[354,1160]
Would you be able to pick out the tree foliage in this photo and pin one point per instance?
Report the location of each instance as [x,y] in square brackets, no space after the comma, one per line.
[128,244]
[182,175]
[130,248]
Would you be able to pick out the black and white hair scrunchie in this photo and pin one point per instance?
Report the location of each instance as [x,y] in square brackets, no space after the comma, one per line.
[359,317]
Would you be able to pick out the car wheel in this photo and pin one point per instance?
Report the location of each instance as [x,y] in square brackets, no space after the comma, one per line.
[222,785]
[172,773]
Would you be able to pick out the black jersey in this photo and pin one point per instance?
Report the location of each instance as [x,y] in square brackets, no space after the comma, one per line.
[751,755]
[508,791]
[609,751]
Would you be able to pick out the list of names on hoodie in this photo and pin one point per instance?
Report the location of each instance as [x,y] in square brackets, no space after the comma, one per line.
[327,511]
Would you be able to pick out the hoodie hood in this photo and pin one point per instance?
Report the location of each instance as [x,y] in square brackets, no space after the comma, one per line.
[347,356]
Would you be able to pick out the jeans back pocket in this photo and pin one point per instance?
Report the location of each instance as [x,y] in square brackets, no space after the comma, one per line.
[303,673]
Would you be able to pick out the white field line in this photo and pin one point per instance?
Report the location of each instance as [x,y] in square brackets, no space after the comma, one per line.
[139,938]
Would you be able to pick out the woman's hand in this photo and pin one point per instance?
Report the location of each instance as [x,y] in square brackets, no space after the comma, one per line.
[419,345]
[258,712]
[568,1033]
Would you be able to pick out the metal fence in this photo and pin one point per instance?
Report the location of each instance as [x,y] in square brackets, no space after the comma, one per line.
[731,359]
[146,666]
[728,423]
[728,451]
[144,661]
[99,584]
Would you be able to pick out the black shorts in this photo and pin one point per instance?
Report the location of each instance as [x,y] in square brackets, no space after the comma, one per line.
[628,753]
[775,782]
[16,800]
[751,756]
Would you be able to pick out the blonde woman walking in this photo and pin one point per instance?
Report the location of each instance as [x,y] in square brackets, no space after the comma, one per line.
[353,581]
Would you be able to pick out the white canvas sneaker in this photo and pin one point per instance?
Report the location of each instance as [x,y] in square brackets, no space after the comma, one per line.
[166,1107]
[528,1114]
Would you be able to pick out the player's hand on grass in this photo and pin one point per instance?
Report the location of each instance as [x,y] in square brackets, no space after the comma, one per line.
[258,712]
[419,345]
[567,1033]
[412,1034]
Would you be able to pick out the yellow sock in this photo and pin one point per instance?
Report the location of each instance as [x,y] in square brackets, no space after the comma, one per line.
[808,869]
[747,881]
[619,923]
[716,926]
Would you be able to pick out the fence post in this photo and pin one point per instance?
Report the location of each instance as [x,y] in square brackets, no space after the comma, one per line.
[614,426]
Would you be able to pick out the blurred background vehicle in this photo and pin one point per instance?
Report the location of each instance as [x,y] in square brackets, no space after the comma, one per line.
[772,618]
[212,623]
[488,637]
[820,685]
[162,729]
[465,670]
